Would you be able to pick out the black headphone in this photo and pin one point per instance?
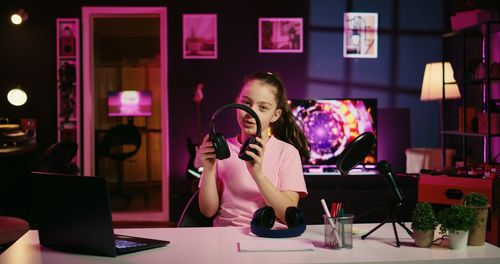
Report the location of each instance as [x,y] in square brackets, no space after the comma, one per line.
[264,218]
[219,141]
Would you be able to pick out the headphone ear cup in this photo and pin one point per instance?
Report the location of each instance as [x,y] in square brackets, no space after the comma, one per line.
[246,146]
[220,146]
[263,220]
[264,217]
[294,217]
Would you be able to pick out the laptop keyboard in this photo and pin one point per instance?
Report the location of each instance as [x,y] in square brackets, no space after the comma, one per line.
[125,244]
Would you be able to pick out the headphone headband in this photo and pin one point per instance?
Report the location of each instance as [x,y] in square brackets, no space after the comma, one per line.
[272,233]
[238,106]
[264,218]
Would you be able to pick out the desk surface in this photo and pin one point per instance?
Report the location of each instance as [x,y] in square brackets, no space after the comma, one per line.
[220,245]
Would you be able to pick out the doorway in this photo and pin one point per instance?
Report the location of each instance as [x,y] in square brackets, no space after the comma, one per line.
[125,102]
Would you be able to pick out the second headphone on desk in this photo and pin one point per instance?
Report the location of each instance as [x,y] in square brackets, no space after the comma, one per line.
[264,218]
[219,141]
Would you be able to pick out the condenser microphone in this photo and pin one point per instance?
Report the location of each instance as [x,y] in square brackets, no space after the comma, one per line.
[384,167]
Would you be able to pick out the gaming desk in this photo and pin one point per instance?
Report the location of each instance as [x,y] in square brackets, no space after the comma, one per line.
[220,245]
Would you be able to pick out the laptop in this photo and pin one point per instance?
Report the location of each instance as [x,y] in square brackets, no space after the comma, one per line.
[74,215]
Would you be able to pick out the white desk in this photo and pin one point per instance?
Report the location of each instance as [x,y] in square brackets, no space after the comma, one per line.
[219,245]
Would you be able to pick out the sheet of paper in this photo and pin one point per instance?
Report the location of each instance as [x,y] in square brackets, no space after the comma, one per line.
[358,231]
[263,245]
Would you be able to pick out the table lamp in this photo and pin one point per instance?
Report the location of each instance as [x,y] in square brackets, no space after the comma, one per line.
[432,84]
[432,89]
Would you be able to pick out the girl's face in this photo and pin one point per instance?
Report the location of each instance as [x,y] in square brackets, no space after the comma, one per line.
[260,97]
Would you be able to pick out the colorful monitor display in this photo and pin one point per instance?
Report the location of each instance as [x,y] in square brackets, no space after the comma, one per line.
[331,124]
[129,103]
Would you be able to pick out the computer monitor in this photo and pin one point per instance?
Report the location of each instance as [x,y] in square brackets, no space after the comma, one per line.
[129,103]
[331,124]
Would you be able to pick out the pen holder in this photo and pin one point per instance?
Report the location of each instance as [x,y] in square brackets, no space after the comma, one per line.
[338,231]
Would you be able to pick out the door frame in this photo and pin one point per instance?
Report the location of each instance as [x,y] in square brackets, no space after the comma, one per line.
[88,14]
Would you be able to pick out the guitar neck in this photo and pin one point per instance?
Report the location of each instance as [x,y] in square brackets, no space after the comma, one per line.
[199,123]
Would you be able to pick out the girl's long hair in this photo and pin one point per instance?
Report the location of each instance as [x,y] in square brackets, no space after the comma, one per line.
[285,128]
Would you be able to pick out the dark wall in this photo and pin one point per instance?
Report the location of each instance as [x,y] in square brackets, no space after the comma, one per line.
[367,197]
[409,36]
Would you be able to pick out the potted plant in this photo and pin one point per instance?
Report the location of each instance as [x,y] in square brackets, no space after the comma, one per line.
[423,224]
[479,203]
[457,220]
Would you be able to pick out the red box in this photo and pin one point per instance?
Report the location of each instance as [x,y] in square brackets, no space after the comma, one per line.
[446,190]
[438,189]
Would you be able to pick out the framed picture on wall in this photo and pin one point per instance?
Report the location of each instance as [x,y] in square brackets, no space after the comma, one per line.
[199,38]
[280,35]
[360,35]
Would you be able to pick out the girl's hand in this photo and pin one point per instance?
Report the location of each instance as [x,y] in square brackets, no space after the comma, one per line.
[254,166]
[206,153]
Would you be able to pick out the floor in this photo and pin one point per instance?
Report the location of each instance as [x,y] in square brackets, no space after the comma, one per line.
[143,198]
[136,197]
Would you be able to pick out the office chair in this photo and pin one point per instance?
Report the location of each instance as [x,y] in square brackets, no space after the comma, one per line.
[113,143]
[58,158]
[120,143]
[11,229]
[191,215]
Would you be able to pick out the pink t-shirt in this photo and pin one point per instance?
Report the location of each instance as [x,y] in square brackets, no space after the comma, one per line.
[239,195]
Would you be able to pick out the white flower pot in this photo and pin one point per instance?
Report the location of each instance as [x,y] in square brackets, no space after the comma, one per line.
[458,240]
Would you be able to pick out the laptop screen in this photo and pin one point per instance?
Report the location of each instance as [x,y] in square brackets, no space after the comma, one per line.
[73,213]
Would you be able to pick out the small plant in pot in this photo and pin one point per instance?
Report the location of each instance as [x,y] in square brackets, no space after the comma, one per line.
[478,202]
[423,224]
[457,221]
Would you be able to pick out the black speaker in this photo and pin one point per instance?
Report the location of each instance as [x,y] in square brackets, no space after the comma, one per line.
[67,47]
[219,141]
[28,126]
[264,218]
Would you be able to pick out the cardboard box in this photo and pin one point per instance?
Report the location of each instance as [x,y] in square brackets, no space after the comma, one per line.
[470,18]
[494,123]
[470,115]
[426,158]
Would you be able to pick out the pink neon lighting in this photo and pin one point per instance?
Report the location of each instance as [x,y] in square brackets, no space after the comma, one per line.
[129,103]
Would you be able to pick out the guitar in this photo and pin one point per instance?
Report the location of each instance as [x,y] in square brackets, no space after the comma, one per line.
[192,172]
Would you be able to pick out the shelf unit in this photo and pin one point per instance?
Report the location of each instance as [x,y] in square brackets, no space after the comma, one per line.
[469,51]
[68,82]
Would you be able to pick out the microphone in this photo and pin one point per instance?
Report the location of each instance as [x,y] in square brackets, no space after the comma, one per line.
[384,167]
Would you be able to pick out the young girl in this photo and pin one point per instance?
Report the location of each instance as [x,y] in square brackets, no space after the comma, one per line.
[233,189]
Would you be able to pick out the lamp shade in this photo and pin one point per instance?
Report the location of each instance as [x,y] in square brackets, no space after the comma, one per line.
[432,84]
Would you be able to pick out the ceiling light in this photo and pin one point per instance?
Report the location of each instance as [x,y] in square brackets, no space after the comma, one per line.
[19,17]
[17,97]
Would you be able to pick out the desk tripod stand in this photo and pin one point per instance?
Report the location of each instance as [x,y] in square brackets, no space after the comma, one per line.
[352,155]
[392,218]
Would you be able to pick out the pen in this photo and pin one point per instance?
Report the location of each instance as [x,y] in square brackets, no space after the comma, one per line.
[330,220]
[342,227]
[335,209]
